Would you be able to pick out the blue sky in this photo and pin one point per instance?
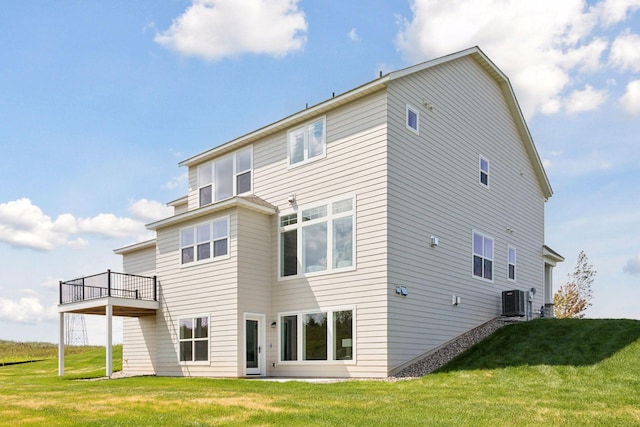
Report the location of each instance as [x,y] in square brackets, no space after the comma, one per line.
[101,100]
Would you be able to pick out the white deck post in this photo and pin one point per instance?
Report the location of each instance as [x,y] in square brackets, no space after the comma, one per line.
[61,346]
[109,313]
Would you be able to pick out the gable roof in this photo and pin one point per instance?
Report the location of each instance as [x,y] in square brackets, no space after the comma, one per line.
[379,84]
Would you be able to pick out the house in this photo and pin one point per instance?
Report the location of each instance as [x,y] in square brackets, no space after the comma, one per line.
[346,240]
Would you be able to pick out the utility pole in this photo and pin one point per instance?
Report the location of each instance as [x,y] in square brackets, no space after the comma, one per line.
[76,329]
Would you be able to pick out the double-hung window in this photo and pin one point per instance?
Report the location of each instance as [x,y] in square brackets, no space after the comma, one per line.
[318,239]
[225,177]
[314,336]
[482,256]
[412,119]
[194,339]
[206,241]
[511,263]
[306,143]
[484,171]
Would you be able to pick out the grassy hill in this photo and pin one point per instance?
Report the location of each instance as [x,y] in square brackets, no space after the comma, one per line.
[12,352]
[545,372]
[569,342]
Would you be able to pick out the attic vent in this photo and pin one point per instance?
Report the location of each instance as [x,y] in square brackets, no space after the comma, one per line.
[513,303]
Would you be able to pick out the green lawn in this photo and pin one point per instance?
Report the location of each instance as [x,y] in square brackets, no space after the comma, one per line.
[546,372]
[18,352]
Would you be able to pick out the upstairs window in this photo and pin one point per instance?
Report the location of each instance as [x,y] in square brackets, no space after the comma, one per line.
[511,263]
[413,119]
[306,143]
[482,256]
[226,177]
[206,241]
[484,171]
[318,239]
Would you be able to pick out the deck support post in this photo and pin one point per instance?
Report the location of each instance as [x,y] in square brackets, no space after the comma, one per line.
[61,345]
[109,313]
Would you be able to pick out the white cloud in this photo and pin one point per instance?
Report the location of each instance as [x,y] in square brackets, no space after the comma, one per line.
[214,29]
[26,310]
[632,266]
[176,181]
[625,52]
[109,225]
[587,99]
[24,225]
[353,35]
[543,46]
[614,11]
[149,210]
[631,99]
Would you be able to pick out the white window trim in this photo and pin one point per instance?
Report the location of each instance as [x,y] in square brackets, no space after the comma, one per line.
[406,118]
[306,158]
[330,350]
[298,226]
[480,171]
[493,256]
[235,176]
[212,240]
[192,362]
[515,263]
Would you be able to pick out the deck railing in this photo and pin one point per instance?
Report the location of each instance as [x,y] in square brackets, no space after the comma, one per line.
[109,284]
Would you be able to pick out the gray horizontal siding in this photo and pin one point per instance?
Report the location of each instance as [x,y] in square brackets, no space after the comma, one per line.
[434,190]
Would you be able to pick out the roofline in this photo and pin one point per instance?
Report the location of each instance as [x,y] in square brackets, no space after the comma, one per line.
[552,255]
[509,93]
[135,247]
[233,202]
[300,116]
[179,201]
[379,84]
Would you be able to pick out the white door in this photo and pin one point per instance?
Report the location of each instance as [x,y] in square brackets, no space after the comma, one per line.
[254,346]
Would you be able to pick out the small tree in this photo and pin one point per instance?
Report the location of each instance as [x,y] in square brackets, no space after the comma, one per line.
[574,297]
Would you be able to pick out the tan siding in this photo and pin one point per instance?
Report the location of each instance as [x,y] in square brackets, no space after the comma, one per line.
[355,164]
[205,289]
[407,188]
[139,334]
[434,190]
[139,345]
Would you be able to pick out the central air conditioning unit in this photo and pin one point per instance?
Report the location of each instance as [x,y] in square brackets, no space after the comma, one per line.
[513,303]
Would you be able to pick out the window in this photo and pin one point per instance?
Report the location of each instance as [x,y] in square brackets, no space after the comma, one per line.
[317,336]
[413,119]
[314,336]
[194,339]
[206,241]
[318,239]
[511,263]
[306,143]
[484,171]
[225,177]
[289,337]
[482,256]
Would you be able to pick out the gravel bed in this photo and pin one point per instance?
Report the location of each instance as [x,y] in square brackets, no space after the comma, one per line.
[443,355]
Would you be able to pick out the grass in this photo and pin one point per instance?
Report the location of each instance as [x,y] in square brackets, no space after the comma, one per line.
[12,352]
[526,374]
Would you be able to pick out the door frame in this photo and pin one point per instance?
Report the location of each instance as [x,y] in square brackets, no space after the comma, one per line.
[261,319]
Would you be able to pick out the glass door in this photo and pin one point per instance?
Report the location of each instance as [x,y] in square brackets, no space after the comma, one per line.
[253,346]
